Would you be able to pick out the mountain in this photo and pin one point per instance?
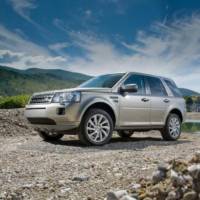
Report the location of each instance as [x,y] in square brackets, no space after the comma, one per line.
[187,92]
[14,81]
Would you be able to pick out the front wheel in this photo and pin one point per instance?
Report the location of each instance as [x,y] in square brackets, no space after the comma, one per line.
[50,136]
[96,127]
[172,129]
[125,134]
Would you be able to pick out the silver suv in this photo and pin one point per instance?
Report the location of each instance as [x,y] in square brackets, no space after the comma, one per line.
[125,102]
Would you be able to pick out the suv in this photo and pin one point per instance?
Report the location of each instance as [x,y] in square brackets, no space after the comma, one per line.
[125,102]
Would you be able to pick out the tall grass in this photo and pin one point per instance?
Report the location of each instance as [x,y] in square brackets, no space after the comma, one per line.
[18,101]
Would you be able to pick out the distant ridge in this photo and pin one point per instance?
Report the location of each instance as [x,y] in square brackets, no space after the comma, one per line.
[187,92]
[14,81]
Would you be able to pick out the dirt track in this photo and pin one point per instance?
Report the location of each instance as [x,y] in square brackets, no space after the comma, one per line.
[41,170]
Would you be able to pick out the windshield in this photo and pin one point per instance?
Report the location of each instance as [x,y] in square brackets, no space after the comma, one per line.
[103,81]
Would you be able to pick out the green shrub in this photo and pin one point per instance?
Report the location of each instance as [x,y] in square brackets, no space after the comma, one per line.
[191,127]
[14,101]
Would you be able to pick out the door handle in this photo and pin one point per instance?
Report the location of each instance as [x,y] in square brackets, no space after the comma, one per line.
[145,99]
[166,100]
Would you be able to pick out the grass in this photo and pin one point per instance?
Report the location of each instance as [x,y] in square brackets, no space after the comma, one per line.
[191,127]
[18,101]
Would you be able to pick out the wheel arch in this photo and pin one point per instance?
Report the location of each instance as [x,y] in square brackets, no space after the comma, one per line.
[104,105]
[176,111]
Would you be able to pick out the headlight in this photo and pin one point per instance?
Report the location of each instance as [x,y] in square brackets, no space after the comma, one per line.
[66,97]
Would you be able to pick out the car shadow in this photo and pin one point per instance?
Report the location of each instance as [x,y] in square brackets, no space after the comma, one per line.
[117,143]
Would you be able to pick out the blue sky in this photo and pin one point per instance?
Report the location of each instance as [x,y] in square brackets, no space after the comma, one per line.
[102,36]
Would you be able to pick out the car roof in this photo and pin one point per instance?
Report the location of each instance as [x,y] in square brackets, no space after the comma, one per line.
[145,74]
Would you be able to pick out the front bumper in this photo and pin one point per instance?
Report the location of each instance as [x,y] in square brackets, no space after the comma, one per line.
[52,116]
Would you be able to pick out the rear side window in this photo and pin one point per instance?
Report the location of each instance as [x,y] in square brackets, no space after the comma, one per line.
[139,81]
[174,89]
[156,87]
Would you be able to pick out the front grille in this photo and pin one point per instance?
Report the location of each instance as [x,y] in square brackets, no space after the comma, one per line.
[41,98]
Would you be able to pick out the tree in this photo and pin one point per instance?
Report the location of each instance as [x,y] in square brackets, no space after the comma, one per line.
[189,101]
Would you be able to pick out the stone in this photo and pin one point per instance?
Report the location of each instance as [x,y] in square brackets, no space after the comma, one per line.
[64,190]
[136,186]
[147,198]
[171,195]
[194,170]
[157,176]
[81,178]
[164,167]
[127,197]
[177,180]
[190,195]
[116,195]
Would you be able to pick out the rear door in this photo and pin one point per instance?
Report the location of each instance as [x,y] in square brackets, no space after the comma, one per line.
[135,107]
[159,100]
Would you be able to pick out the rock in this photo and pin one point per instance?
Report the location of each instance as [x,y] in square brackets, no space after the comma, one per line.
[190,195]
[196,158]
[177,180]
[81,178]
[194,170]
[116,195]
[164,167]
[171,196]
[30,185]
[64,190]
[157,176]
[136,186]
[187,178]
[61,182]
[127,197]
[147,198]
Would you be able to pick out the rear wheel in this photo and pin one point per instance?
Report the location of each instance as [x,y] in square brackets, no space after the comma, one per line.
[125,134]
[172,129]
[96,127]
[50,136]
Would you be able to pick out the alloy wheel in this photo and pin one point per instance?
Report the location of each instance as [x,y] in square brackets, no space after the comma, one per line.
[98,128]
[174,127]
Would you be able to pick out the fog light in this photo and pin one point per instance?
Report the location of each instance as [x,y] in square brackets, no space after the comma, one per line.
[61,111]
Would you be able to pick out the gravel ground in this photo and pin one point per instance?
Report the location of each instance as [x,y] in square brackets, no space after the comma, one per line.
[33,169]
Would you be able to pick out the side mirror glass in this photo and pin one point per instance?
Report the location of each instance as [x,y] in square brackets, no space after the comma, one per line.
[129,88]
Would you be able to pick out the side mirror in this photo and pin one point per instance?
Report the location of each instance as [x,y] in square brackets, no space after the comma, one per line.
[129,88]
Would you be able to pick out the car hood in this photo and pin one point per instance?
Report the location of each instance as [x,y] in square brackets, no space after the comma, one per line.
[101,90]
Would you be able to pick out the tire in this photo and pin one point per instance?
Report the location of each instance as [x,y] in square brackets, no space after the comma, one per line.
[96,128]
[172,129]
[50,137]
[125,134]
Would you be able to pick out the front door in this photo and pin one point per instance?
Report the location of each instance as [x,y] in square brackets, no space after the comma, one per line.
[135,107]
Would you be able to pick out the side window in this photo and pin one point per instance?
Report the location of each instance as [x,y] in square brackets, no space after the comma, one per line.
[136,79]
[172,86]
[156,87]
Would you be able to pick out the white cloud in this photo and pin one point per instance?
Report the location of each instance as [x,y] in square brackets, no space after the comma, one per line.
[11,54]
[24,54]
[172,51]
[23,7]
[88,13]
[58,46]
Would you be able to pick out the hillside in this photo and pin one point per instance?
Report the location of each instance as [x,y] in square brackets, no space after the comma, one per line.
[14,81]
[187,92]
